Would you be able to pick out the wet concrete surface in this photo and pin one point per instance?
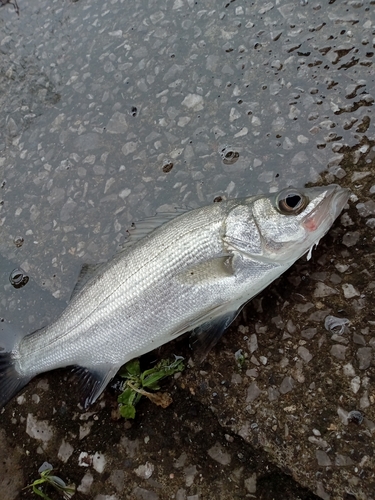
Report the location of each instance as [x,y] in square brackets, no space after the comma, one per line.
[111,111]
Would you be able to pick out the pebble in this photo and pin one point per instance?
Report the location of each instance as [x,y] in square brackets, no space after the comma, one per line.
[351,238]
[273,394]
[356,176]
[322,458]
[117,124]
[98,462]
[346,220]
[318,441]
[364,355]
[359,339]
[350,291]
[343,415]
[304,354]
[253,392]
[323,290]
[190,473]
[343,460]
[38,429]
[143,494]
[86,483]
[193,101]
[286,385]
[251,483]
[355,384]
[342,267]
[309,333]
[366,209]
[253,343]
[145,471]
[117,478]
[349,370]
[65,451]
[218,453]
[338,351]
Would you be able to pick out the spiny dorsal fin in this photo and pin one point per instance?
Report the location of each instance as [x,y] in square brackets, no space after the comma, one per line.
[138,231]
[145,227]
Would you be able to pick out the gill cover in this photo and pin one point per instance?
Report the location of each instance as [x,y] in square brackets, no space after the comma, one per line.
[241,230]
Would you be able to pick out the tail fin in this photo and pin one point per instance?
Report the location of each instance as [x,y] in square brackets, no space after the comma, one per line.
[10,380]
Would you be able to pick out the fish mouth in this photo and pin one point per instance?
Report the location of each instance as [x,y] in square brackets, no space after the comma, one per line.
[327,210]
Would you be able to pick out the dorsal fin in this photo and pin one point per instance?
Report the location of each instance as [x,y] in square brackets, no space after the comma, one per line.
[137,231]
[146,226]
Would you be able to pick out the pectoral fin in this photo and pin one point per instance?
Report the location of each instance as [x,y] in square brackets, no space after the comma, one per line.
[219,267]
[93,380]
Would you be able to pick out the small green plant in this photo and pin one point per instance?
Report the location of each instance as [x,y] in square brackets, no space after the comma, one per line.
[136,383]
[240,359]
[56,482]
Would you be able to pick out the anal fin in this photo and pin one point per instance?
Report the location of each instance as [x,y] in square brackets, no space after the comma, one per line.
[93,380]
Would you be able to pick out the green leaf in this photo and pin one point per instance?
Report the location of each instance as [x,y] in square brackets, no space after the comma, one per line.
[136,381]
[151,380]
[40,493]
[131,368]
[127,411]
[163,369]
[127,397]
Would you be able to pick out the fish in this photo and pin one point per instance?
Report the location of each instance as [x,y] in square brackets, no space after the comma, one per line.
[189,271]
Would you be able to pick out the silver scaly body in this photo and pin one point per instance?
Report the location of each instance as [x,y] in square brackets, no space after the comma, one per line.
[193,272]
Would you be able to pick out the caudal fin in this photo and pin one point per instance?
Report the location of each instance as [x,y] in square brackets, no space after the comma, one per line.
[10,380]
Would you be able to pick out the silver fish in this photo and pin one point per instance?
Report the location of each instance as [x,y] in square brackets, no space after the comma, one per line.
[194,272]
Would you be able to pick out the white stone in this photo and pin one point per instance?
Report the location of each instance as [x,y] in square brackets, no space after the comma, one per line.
[193,101]
[38,429]
[65,451]
[86,483]
[355,384]
[145,471]
[98,462]
[349,370]
[350,291]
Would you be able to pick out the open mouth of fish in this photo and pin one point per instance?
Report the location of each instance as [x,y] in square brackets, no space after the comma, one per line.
[319,221]
[328,209]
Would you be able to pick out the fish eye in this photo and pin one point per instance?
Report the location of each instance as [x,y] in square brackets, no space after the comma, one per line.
[291,202]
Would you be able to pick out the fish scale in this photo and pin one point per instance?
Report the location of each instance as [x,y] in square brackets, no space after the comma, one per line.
[194,272]
[130,283]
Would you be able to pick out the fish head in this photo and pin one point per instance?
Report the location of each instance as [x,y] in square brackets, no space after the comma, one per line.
[281,227]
